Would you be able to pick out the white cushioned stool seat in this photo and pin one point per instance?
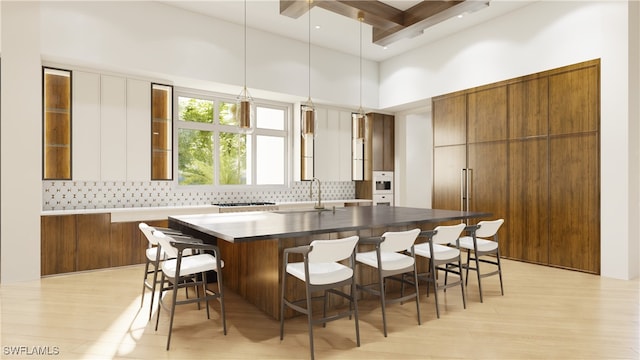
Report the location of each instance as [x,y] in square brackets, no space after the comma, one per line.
[483,244]
[190,265]
[321,273]
[390,260]
[442,252]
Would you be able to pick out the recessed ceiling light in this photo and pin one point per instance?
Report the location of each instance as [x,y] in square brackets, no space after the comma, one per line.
[317,26]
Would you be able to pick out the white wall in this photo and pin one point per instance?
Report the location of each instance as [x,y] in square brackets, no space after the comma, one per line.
[634,111]
[542,36]
[21,142]
[159,41]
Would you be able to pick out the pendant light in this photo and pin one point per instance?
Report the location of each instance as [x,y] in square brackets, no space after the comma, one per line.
[359,117]
[308,113]
[244,105]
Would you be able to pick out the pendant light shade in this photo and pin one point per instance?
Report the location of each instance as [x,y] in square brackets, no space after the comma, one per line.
[244,111]
[358,120]
[308,121]
[244,106]
[308,113]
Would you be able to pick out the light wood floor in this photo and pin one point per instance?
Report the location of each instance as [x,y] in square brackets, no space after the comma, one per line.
[546,313]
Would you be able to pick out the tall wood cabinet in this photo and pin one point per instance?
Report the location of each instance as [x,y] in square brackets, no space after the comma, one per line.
[379,150]
[527,150]
[382,142]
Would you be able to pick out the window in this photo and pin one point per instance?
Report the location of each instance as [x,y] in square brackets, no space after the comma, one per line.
[213,151]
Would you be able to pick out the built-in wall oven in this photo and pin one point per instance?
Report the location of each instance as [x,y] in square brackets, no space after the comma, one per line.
[383,188]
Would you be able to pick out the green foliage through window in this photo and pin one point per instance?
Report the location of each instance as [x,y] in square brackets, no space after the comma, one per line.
[195,157]
[213,151]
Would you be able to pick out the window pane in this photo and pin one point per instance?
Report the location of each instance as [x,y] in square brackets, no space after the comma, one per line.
[233,159]
[267,118]
[195,157]
[196,110]
[227,113]
[270,160]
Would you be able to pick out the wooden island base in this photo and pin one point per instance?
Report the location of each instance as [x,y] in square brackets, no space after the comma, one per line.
[252,245]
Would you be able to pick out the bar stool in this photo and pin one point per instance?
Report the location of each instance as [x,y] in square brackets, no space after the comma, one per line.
[479,243]
[153,256]
[193,270]
[393,255]
[439,253]
[321,270]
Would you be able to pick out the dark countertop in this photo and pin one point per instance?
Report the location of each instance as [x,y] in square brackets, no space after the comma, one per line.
[248,226]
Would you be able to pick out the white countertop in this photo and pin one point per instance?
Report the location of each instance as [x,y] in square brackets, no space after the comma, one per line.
[162,212]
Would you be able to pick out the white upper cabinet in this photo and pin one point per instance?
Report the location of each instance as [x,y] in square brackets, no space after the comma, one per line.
[86,126]
[113,128]
[332,155]
[344,142]
[138,130]
[323,151]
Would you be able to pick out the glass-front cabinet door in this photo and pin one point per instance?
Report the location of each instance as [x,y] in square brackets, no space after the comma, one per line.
[161,132]
[56,126]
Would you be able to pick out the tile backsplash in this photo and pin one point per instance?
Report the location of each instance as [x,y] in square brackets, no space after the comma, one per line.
[73,195]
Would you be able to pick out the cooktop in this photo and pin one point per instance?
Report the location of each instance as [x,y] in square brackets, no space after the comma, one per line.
[257,203]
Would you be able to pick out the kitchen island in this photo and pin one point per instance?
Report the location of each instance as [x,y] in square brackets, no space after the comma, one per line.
[252,243]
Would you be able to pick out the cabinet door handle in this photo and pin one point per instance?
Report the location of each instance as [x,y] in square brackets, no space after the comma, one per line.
[468,188]
[463,188]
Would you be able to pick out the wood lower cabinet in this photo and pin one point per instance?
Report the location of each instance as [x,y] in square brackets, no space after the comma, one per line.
[57,244]
[90,241]
[527,150]
[93,239]
[127,244]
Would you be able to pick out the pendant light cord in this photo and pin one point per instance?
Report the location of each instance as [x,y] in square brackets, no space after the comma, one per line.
[309,82]
[361,18]
[245,43]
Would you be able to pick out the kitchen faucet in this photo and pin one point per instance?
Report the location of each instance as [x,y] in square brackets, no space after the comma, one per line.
[318,205]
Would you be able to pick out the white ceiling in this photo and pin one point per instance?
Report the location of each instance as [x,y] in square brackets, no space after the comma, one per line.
[336,31]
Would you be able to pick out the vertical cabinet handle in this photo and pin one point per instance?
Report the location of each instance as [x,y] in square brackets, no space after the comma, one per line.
[463,188]
[468,188]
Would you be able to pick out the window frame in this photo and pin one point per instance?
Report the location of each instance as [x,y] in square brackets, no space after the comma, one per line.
[216,128]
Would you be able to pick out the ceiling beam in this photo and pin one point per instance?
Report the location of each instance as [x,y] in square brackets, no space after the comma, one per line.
[294,8]
[424,15]
[389,24]
[375,13]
